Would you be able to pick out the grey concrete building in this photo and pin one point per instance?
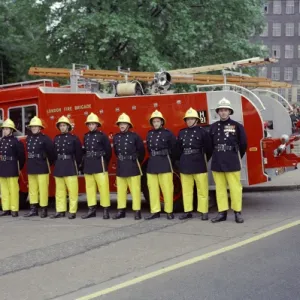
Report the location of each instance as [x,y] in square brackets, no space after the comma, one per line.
[282,38]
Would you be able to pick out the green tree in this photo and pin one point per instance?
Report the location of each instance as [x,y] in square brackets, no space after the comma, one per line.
[145,35]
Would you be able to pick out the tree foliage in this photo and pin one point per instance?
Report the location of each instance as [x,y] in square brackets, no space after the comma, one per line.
[142,34]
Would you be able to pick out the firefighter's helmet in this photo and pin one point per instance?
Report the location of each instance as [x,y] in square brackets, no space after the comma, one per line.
[8,123]
[191,113]
[224,103]
[35,121]
[157,114]
[65,120]
[123,118]
[92,118]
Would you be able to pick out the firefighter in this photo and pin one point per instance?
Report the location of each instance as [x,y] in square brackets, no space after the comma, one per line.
[68,153]
[160,145]
[40,156]
[12,160]
[195,151]
[130,152]
[229,146]
[97,154]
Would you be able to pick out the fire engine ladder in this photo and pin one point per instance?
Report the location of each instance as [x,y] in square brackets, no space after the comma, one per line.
[178,76]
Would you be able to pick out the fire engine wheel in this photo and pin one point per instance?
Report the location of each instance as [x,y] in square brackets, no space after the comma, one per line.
[178,204]
[23,200]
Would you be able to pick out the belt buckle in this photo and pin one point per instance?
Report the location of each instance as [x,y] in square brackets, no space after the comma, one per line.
[221,147]
[64,156]
[3,157]
[120,156]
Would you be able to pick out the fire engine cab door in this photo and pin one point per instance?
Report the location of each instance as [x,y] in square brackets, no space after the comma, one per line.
[277,116]
[236,101]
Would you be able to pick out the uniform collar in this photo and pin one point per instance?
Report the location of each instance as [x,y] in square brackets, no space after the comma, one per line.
[227,121]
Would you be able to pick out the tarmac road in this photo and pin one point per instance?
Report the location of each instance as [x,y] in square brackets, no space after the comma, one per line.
[70,259]
[266,270]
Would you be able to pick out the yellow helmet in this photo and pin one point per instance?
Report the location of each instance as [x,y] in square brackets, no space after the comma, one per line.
[224,103]
[191,113]
[92,118]
[35,121]
[123,118]
[8,123]
[64,119]
[157,114]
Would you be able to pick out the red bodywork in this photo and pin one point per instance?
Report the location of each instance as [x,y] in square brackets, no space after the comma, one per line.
[77,106]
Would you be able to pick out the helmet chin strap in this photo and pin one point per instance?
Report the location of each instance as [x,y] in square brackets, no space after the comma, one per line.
[194,124]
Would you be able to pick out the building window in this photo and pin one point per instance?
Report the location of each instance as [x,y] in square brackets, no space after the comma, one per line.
[265,31]
[276,51]
[290,95]
[263,72]
[276,29]
[275,73]
[277,7]
[289,51]
[266,8]
[298,95]
[21,117]
[298,51]
[288,74]
[289,29]
[298,73]
[290,7]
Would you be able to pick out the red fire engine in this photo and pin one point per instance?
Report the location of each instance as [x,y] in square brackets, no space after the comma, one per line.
[266,156]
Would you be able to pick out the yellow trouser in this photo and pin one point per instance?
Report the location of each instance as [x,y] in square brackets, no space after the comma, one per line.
[187,182]
[165,182]
[10,193]
[134,183]
[62,184]
[38,188]
[100,180]
[235,187]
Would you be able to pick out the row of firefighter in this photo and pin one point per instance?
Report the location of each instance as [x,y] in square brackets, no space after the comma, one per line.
[225,144]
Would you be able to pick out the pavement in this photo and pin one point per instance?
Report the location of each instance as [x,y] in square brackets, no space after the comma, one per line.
[287,181]
[72,259]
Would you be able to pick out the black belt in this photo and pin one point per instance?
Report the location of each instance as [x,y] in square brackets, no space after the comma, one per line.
[64,156]
[163,152]
[224,147]
[91,154]
[127,157]
[5,158]
[34,155]
[191,151]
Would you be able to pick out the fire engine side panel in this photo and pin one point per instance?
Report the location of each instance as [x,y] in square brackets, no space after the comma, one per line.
[254,129]
[78,106]
[277,116]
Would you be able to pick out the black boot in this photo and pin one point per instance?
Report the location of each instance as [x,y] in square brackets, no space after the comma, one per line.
[187,215]
[170,216]
[138,215]
[5,213]
[44,212]
[106,213]
[238,217]
[58,215]
[221,216]
[153,216]
[14,214]
[91,213]
[120,214]
[33,211]
[204,217]
[71,216]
